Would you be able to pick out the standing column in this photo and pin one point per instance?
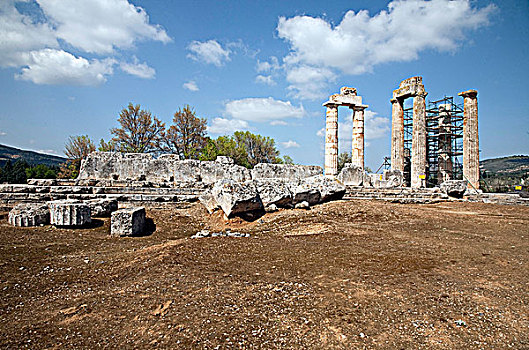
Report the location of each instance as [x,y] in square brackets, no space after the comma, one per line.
[397,134]
[470,138]
[418,143]
[331,140]
[445,169]
[357,154]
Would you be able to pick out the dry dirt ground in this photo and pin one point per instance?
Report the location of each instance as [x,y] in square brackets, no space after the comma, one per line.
[343,275]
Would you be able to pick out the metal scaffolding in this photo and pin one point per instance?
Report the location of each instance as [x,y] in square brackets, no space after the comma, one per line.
[444,127]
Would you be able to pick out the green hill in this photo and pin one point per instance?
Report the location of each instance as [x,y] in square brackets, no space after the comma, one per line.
[33,158]
[513,166]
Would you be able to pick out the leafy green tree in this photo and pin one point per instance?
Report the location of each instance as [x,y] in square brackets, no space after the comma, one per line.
[14,173]
[287,160]
[140,132]
[343,158]
[224,146]
[41,171]
[109,146]
[259,149]
[186,136]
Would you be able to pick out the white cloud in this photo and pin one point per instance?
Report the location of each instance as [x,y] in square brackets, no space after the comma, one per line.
[265,79]
[278,122]
[290,144]
[47,151]
[266,67]
[53,67]
[210,52]
[309,82]
[3,133]
[191,86]
[263,109]
[223,126]
[360,41]
[39,44]
[141,70]
[99,26]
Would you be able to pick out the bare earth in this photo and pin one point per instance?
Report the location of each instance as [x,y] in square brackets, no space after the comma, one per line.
[346,274]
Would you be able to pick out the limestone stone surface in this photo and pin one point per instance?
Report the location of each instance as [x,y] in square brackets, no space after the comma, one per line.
[303,191]
[102,207]
[209,201]
[168,168]
[284,171]
[454,188]
[274,192]
[30,214]
[127,222]
[69,213]
[395,178]
[329,188]
[351,175]
[236,197]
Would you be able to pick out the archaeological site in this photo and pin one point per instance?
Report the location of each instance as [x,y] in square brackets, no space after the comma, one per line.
[144,251]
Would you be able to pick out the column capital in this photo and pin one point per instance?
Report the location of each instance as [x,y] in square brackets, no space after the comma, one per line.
[330,104]
[422,94]
[358,107]
[468,93]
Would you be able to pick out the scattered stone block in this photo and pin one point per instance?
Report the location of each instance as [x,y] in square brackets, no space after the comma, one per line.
[209,201]
[351,175]
[304,191]
[284,171]
[30,214]
[69,213]
[102,207]
[329,188]
[454,188]
[394,178]
[127,222]
[274,191]
[302,205]
[236,197]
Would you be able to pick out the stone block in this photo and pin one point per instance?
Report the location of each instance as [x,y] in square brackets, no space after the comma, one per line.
[69,213]
[284,171]
[394,178]
[102,207]
[236,197]
[128,222]
[351,175]
[274,191]
[30,214]
[329,188]
[304,192]
[209,201]
[454,188]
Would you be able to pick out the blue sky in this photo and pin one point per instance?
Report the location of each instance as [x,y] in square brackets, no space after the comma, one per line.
[68,67]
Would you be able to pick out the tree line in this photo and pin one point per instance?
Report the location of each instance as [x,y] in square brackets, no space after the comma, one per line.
[141,132]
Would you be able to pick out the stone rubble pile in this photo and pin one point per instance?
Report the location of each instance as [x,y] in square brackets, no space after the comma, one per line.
[227,233]
[269,194]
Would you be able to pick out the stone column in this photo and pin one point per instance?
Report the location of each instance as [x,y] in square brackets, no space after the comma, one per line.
[418,143]
[445,144]
[331,140]
[397,134]
[470,138]
[357,154]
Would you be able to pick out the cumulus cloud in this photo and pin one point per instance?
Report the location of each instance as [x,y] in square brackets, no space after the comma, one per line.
[99,26]
[141,70]
[265,79]
[290,144]
[3,133]
[191,86]
[361,41]
[308,82]
[223,126]
[40,40]
[51,66]
[262,109]
[278,122]
[267,67]
[210,52]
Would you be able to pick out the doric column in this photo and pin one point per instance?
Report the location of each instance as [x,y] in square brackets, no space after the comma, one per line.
[357,154]
[397,134]
[470,138]
[418,143]
[445,169]
[331,140]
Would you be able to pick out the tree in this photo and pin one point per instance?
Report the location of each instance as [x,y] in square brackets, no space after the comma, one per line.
[224,146]
[259,149]
[41,171]
[14,173]
[139,132]
[78,147]
[187,136]
[343,158]
[287,160]
[109,146]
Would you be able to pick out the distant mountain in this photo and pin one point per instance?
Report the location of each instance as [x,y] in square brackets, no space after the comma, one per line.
[513,166]
[13,154]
